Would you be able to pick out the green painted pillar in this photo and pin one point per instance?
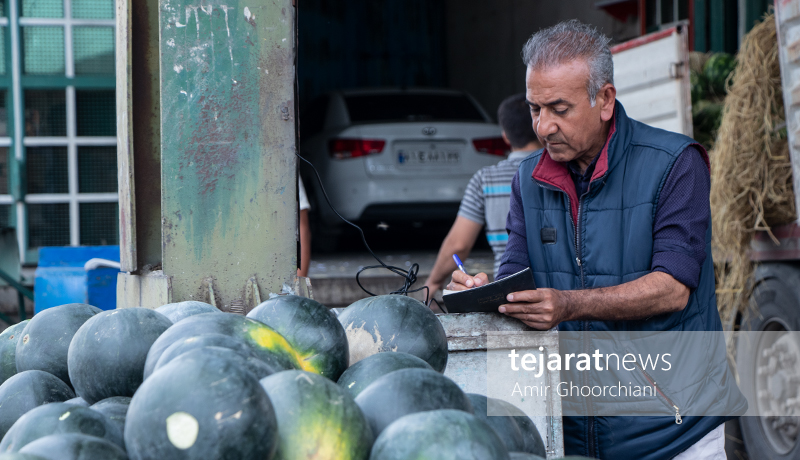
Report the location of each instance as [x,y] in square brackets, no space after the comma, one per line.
[716,25]
[723,23]
[228,206]
[752,12]
[701,25]
[228,200]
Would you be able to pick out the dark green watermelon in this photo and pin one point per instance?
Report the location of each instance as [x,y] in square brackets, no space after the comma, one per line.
[8,349]
[408,391]
[45,340]
[114,408]
[268,344]
[201,406]
[78,402]
[18,456]
[182,310]
[74,446]
[58,418]
[505,426]
[201,341]
[311,328]
[27,390]
[258,368]
[716,71]
[699,86]
[524,456]
[316,418]
[439,435]
[394,323]
[530,434]
[361,374]
[107,355]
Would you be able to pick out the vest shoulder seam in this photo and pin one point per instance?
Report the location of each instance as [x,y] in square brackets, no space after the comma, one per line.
[685,140]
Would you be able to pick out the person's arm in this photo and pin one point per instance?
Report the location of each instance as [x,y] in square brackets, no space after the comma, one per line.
[679,230]
[515,258]
[459,240]
[650,295]
[304,229]
[305,244]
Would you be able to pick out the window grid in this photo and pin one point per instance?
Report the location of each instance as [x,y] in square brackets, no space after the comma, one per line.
[6,198]
[74,198]
[662,14]
[71,141]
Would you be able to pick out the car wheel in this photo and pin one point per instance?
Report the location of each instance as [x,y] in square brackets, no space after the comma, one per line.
[778,301]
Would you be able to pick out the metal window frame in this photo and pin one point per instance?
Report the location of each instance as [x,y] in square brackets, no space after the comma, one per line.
[676,19]
[16,83]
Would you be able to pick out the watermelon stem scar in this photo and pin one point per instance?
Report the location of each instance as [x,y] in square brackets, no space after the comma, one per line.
[182,430]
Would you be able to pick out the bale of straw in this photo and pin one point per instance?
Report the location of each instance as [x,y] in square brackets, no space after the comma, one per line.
[751,172]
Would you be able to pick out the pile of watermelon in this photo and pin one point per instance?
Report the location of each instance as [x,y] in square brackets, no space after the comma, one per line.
[289,381]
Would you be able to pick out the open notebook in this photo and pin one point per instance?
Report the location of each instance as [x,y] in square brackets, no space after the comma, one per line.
[489,297]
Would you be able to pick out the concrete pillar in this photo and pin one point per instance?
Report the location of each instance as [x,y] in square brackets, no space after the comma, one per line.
[225,218]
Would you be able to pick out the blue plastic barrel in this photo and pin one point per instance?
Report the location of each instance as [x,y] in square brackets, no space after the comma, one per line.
[61,277]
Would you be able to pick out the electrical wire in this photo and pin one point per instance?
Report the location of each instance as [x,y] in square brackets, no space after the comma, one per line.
[409,276]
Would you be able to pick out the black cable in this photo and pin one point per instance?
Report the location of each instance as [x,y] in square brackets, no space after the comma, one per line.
[410,275]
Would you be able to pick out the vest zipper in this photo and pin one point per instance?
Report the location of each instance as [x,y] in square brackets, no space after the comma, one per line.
[670,404]
[578,242]
[574,225]
[584,324]
[585,328]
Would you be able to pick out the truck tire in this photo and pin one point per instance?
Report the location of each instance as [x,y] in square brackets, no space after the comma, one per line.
[777,296]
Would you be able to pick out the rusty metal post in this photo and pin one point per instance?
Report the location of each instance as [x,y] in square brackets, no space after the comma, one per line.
[227,214]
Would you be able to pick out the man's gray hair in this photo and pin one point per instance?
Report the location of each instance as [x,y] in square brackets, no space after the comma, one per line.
[567,41]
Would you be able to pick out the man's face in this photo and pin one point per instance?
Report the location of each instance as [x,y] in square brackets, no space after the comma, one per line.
[563,117]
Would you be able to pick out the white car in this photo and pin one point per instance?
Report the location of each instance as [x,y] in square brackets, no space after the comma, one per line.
[394,155]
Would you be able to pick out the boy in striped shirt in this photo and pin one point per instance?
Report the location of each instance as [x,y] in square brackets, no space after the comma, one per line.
[486,199]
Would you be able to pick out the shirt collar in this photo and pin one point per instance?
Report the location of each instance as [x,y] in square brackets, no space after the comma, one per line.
[519,154]
[576,170]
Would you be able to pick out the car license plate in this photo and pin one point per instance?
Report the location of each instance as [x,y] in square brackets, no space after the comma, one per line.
[432,157]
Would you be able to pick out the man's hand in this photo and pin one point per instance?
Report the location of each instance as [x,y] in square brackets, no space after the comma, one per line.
[461,281]
[460,239]
[652,294]
[540,309]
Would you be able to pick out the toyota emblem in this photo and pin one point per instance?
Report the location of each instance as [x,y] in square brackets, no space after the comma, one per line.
[429,131]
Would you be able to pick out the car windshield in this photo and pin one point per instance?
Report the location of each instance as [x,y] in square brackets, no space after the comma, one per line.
[366,108]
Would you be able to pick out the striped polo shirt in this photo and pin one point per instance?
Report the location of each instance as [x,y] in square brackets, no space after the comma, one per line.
[486,201]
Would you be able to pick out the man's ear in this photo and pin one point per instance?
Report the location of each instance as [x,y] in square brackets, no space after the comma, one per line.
[606,99]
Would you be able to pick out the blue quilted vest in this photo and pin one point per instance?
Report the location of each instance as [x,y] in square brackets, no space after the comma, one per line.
[604,239]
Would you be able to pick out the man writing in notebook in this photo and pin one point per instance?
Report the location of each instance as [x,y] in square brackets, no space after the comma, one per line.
[613,218]
[486,198]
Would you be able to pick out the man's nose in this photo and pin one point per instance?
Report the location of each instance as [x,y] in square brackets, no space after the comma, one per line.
[546,126]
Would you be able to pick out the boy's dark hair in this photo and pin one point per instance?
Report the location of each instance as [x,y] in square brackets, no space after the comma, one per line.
[514,116]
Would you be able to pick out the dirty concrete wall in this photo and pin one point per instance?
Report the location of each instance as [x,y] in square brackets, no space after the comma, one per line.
[369,43]
[484,41]
[471,45]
